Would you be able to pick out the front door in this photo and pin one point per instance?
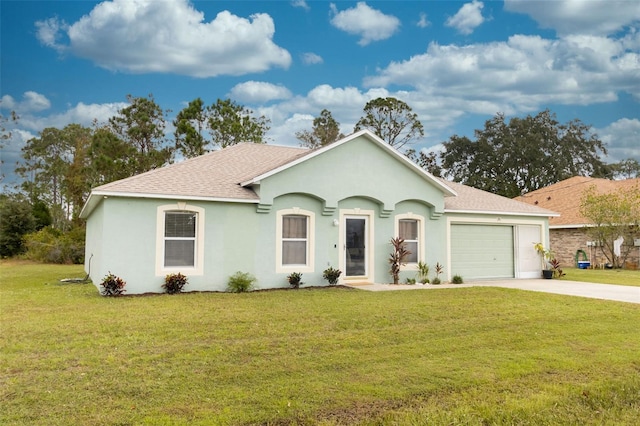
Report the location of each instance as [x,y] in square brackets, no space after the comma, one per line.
[356,241]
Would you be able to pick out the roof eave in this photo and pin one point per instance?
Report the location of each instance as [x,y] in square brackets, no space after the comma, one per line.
[96,196]
[504,213]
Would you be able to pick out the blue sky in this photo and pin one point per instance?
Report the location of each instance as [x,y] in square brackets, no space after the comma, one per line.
[455,63]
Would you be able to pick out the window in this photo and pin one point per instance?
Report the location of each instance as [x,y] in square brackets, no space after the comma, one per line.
[295,240]
[179,239]
[408,231]
[410,227]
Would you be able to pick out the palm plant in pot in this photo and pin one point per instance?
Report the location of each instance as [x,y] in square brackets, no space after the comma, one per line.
[546,256]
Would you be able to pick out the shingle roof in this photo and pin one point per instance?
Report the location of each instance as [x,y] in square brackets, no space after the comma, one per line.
[214,175]
[219,176]
[565,197]
[470,199]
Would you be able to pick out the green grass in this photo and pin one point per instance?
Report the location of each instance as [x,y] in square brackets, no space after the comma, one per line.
[604,276]
[320,356]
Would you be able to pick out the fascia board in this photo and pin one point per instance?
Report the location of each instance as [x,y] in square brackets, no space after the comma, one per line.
[95,197]
[504,213]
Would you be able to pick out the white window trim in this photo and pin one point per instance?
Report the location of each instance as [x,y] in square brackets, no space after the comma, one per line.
[311,240]
[198,269]
[421,238]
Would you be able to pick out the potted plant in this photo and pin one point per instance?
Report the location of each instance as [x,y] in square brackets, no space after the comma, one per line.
[555,268]
[546,256]
[331,275]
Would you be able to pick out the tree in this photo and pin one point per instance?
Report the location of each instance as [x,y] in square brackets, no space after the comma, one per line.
[46,163]
[111,158]
[626,169]
[5,135]
[613,215]
[230,124]
[189,124]
[141,125]
[428,161]
[76,183]
[325,130]
[523,155]
[392,120]
[55,171]
[17,221]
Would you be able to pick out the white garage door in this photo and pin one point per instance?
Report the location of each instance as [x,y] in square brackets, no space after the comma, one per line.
[482,251]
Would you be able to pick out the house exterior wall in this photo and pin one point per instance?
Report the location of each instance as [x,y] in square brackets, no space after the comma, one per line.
[123,233]
[94,258]
[565,242]
[237,238]
[359,168]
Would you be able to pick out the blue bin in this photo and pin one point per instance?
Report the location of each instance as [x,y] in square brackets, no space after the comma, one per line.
[584,264]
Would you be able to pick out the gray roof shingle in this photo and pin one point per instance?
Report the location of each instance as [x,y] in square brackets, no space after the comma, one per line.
[214,175]
[470,199]
[218,176]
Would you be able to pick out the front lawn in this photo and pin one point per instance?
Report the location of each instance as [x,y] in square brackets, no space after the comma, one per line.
[604,276]
[320,356]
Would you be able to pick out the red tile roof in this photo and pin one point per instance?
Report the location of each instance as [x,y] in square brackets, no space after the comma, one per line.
[565,197]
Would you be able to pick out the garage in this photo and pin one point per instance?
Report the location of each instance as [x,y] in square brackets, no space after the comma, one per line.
[482,251]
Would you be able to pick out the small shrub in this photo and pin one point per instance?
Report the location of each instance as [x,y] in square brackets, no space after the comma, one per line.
[173,283]
[397,257]
[240,282]
[49,245]
[457,279]
[295,279]
[112,285]
[331,275]
[555,267]
[436,281]
[423,272]
[439,270]
[411,281]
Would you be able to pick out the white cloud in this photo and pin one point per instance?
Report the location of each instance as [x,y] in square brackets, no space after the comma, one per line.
[141,36]
[301,4]
[310,58]
[81,113]
[370,24]
[468,18]
[48,32]
[520,74]
[599,17]
[622,138]
[29,126]
[258,91]
[31,102]
[423,22]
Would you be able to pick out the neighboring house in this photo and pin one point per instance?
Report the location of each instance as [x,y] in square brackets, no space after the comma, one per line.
[569,232]
[272,210]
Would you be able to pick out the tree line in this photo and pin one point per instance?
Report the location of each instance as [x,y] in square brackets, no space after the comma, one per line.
[60,166]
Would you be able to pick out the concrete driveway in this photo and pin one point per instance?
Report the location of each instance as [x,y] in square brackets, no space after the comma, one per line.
[619,293]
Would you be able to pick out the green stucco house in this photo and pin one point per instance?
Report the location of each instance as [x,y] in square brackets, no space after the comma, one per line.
[272,210]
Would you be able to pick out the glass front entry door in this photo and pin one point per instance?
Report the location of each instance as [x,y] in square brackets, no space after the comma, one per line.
[355,246]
